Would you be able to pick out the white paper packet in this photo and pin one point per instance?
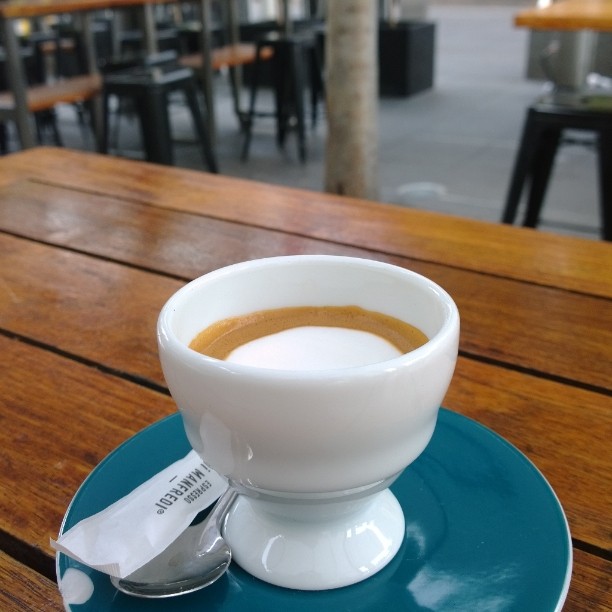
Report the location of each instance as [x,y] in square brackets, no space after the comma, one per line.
[129,533]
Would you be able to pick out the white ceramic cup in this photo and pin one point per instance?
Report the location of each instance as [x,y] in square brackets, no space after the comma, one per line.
[312,451]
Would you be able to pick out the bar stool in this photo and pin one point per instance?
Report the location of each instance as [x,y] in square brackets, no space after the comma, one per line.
[294,57]
[545,123]
[148,86]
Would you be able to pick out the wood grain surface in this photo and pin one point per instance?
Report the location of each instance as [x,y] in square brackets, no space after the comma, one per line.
[488,248]
[29,590]
[568,15]
[12,9]
[89,253]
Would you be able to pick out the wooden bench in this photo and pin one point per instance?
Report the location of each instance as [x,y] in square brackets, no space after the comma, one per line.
[44,97]
[228,56]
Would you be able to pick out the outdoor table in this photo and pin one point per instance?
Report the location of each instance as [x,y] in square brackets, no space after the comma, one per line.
[568,15]
[579,19]
[92,246]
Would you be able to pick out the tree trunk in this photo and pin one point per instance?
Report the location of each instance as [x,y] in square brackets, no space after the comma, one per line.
[352,98]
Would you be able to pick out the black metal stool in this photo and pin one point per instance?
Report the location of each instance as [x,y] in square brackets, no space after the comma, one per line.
[295,66]
[149,86]
[542,133]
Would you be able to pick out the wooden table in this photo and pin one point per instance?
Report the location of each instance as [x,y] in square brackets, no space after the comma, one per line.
[577,22]
[91,247]
[568,15]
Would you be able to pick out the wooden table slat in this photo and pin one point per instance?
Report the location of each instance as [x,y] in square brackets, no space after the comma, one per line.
[28,589]
[570,263]
[541,418]
[590,586]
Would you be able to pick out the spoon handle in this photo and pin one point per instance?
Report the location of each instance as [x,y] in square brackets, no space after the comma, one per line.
[214,520]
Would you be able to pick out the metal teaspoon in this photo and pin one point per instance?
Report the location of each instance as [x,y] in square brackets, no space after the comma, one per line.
[184,567]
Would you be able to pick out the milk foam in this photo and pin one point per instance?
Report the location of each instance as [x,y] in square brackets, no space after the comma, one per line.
[314,348]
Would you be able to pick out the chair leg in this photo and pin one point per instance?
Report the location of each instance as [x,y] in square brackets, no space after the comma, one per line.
[107,140]
[542,167]
[104,136]
[46,122]
[250,114]
[522,166]
[3,138]
[317,87]
[297,96]
[282,76]
[57,137]
[605,182]
[84,111]
[235,79]
[198,121]
[153,111]
[290,86]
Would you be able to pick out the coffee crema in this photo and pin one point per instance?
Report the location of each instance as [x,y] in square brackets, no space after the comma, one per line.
[222,338]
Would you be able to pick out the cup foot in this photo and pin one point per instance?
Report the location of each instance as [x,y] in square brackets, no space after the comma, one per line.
[315,546]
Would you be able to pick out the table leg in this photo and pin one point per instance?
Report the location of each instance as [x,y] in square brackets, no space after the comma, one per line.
[17,83]
[235,71]
[576,58]
[286,18]
[207,74]
[150,31]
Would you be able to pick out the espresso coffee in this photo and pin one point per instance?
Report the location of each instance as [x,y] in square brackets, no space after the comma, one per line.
[309,337]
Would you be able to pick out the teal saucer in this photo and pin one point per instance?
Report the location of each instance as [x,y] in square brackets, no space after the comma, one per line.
[484,531]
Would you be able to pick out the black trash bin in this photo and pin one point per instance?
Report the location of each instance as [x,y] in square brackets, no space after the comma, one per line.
[406,57]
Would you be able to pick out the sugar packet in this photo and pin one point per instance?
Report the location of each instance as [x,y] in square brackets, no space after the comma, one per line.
[129,533]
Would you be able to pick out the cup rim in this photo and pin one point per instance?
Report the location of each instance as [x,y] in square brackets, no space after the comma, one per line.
[168,339]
